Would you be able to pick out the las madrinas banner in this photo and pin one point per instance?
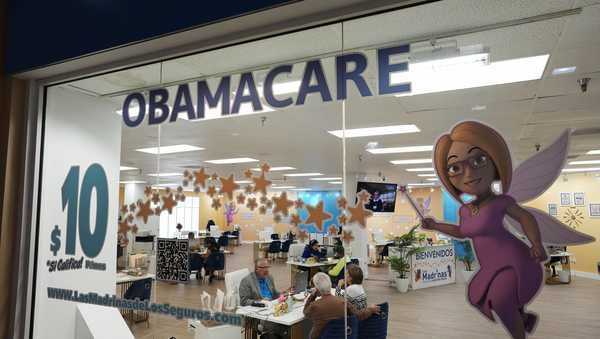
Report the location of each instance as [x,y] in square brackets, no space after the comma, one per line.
[434,266]
[349,69]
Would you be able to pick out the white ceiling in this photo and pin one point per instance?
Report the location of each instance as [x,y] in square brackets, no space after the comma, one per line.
[527,113]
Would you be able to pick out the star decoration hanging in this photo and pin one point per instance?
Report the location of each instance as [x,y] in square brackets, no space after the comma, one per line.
[282,204]
[248,173]
[302,235]
[157,211]
[132,208]
[124,227]
[216,203]
[262,210]
[261,184]
[249,189]
[169,203]
[180,197]
[134,229]
[342,219]
[359,214]
[333,230]
[130,218]
[168,190]
[269,204]
[299,203]
[200,178]
[277,218]
[214,177]
[342,203]
[185,182]
[179,189]
[124,209]
[186,174]
[228,186]
[263,199]
[251,204]
[156,198]
[363,196]
[211,191]
[145,211]
[317,216]
[148,191]
[241,198]
[347,237]
[197,189]
[295,219]
[265,168]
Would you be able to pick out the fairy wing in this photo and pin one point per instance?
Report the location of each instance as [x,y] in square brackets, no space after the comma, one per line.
[536,174]
[552,231]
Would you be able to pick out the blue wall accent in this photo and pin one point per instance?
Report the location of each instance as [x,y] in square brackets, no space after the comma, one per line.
[45,32]
[462,248]
[312,198]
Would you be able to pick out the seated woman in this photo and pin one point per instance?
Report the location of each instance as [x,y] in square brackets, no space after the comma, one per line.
[212,247]
[355,293]
[312,250]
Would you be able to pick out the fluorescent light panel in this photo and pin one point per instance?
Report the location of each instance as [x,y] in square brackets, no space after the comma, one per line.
[410,161]
[326,179]
[436,76]
[594,152]
[231,161]
[302,174]
[427,175]
[275,169]
[581,169]
[167,174]
[432,179]
[335,182]
[564,70]
[405,149]
[300,189]
[126,168]
[420,169]
[375,131]
[243,182]
[132,182]
[422,184]
[170,149]
[283,187]
[585,162]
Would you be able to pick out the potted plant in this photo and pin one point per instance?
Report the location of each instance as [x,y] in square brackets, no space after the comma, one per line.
[464,252]
[400,263]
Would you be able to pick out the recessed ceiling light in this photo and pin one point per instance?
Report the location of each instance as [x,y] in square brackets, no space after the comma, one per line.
[371,145]
[171,184]
[300,189]
[132,182]
[326,179]
[275,169]
[594,152]
[374,131]
[425,77]
[478,108]
[564,70]
[126,168]
[432,179]
[410,161]
[335,182]
[427,175]
[585,162]
[168,174]
[231,161]
[170,149]
[420,169]
[302,174]
[283,187]
[422,184]
[406,149]
[582,169]
[243,182]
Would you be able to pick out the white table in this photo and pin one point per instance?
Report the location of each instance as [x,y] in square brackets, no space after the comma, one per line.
[312,268]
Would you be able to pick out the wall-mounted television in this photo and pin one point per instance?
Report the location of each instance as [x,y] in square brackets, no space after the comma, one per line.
[383,195]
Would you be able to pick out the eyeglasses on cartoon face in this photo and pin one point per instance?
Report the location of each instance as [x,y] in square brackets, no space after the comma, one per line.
[476,161]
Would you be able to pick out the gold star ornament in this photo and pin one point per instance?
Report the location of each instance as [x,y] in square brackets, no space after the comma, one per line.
[169,203]
[228,186]
[200,178]
[302,235]
[282,204]
[317,216]
[347,237]
[295,220]
[261,184]
[145,211]
[359,214]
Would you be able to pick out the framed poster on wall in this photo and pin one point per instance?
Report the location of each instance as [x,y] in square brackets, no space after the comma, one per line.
[594,210]
[579,199]
[565,199]
[553,210]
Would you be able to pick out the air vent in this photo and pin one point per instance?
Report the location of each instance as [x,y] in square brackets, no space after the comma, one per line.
[586,131]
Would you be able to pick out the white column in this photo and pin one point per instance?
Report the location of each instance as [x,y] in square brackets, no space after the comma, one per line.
[359,247]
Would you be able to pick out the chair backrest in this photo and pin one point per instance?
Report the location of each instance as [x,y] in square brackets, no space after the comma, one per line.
[140,289]
[195,261]
[296,250]
[376,325]
[285,247]
[232,283]
[216,261]
[223,241]
[275,246]
[336,329]
[274,236]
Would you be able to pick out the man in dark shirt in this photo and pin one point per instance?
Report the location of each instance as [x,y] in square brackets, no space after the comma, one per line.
[375,204]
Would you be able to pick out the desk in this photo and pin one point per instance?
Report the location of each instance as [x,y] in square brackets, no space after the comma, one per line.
[259,246]
[313,268]
[124,281]
[565,260]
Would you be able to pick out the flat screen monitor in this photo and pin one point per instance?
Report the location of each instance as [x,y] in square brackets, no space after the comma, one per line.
[383,195]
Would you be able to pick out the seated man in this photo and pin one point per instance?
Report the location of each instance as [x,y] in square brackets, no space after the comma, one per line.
[329,307]
[258,286]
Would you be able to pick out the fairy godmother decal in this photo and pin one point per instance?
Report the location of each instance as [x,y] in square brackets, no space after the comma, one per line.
[508,238]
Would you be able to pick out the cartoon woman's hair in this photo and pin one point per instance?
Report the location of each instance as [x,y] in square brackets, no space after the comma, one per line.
[476,134]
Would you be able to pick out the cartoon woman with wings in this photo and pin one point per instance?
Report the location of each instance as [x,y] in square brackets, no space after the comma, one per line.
[469,160]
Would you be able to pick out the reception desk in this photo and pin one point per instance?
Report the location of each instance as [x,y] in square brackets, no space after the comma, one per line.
[432,266]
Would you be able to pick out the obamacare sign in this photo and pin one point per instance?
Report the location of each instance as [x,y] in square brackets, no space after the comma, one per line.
[349,68]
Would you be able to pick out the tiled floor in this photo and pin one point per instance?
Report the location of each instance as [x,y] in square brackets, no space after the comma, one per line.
[566,311]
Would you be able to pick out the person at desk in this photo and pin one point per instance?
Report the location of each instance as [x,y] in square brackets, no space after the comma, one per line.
[209,224]
[375,203]
[312,250]
[259,286]
[329,307]
[211,247]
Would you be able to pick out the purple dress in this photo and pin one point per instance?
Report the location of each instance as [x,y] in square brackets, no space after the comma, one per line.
[498,250]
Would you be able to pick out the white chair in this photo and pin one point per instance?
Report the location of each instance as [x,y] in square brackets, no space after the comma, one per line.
[232,283]
[296,250]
